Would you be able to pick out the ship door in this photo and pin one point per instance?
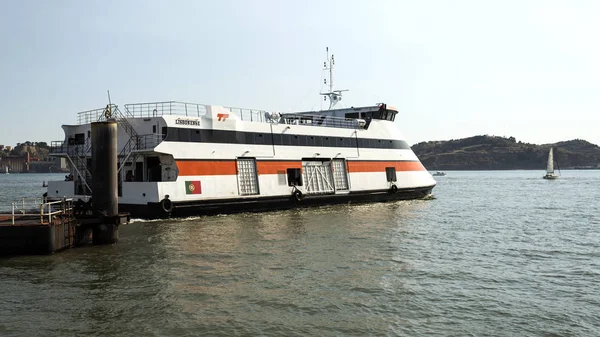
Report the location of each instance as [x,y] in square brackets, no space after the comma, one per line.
[318,176]
[340,175]
[247,176]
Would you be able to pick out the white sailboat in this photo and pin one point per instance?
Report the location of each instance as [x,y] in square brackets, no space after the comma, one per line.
[550,167]
[6,169]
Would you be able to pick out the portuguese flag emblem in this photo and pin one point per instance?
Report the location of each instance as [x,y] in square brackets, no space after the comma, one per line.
[193,187]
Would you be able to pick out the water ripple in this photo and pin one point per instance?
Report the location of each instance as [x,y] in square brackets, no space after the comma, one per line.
[494,254]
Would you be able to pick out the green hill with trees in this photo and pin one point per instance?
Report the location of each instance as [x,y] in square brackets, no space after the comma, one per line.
[36,150]
[501,153]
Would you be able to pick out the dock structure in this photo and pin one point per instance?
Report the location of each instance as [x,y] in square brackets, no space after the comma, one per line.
[46,226]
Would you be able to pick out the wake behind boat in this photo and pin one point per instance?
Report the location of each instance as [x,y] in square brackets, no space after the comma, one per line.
[180,159]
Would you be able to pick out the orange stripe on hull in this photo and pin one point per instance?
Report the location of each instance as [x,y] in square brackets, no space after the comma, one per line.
[379,166]
[276,167]
[229,167]
[206,167]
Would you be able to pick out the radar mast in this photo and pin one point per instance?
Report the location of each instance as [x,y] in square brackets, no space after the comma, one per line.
[334,95]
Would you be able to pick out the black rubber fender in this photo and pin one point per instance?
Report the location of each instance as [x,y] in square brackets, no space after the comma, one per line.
[166,205]
[298,196]
[394,189]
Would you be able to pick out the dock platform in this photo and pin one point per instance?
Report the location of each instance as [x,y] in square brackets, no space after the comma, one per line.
[46,228]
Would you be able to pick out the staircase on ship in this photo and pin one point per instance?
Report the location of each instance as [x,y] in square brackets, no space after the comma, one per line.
[78,149]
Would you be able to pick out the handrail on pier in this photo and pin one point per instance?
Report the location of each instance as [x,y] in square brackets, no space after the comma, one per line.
[46,209]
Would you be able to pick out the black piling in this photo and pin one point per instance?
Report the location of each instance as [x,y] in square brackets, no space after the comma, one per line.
[105,199]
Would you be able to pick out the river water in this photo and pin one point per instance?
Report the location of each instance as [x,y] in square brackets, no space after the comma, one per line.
[494,254]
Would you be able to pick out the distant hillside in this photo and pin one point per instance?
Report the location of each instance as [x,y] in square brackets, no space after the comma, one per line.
[36,150]
[499,153]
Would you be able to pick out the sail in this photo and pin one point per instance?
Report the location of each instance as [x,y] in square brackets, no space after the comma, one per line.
[550,167]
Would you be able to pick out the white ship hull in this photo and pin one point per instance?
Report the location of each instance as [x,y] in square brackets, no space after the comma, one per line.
[186,159]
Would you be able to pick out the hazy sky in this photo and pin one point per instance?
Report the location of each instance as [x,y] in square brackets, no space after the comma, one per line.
[528,69]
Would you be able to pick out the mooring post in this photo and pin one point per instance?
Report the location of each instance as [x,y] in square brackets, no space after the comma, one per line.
[105,199]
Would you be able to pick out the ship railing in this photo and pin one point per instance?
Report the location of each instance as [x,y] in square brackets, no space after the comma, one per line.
[158,109]
[96,115]
[149,141]
[321,120]
[249,115]
[58,146]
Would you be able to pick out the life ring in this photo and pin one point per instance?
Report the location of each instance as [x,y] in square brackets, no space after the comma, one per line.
[166,205]
[297,194]
[394,189]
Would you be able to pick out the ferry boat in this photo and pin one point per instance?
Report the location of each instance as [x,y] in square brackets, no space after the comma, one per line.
[184,159]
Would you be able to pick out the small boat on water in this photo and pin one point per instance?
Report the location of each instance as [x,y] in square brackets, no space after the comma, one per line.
[439,174]
[550,167]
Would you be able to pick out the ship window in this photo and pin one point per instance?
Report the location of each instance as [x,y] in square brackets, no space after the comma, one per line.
[79,138]
[184,135]
[196,136]
[217,136]
[164,132]
[294,176]
[390,173]
[249,138]
[353,115]
[153,128]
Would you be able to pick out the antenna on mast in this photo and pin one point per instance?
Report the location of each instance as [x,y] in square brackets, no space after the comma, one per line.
[334,95]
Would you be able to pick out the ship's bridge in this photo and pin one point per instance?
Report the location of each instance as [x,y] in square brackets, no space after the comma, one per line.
[380,111]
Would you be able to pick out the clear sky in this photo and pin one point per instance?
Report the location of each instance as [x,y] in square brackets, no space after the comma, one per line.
[454,69]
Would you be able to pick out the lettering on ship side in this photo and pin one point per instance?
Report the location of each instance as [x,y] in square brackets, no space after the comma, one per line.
[187,122]
[222,117]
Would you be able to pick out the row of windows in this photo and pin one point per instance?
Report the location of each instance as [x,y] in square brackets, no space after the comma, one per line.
[236,137]
[388,115]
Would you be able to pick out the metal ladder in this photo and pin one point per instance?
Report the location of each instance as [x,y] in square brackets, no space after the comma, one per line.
[126,155]
[77,155]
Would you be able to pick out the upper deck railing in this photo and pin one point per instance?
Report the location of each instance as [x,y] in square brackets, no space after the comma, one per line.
[96,115]
[158,109]
[249,115]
